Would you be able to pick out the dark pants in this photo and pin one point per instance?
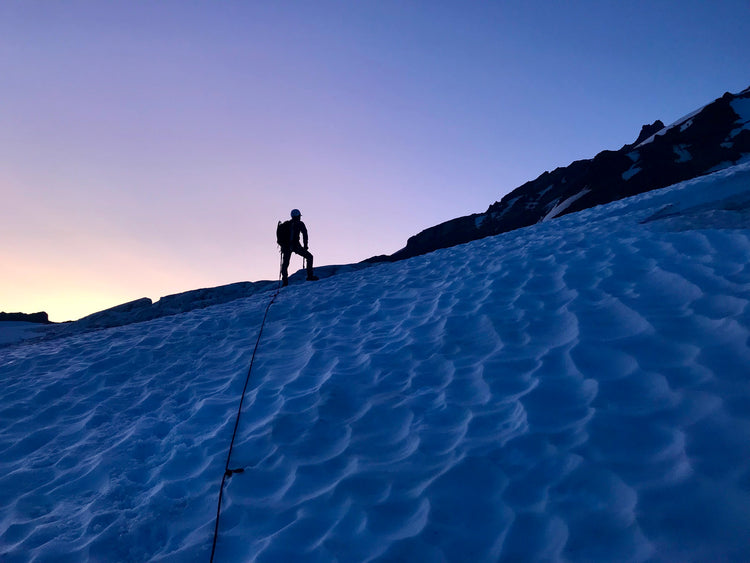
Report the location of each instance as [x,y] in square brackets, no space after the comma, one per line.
[286,255]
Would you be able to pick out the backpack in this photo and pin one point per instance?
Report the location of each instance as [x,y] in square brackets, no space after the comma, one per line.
[284,234]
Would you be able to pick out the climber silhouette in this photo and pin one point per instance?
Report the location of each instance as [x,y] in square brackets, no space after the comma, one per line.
[287,235]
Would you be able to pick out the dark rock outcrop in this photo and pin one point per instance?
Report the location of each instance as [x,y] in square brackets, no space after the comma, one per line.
[714,137]
[649,130]
[39,318]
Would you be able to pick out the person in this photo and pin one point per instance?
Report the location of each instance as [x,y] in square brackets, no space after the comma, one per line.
[287,236]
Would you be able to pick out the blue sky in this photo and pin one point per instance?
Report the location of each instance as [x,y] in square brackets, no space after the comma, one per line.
[150,148]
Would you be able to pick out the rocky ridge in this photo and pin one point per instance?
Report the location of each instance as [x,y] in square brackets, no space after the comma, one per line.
[714,137]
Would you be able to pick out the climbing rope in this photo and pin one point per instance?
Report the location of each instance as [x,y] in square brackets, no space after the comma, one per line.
[229,472]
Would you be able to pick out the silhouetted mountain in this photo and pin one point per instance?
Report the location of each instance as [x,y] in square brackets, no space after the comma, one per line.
[714,137]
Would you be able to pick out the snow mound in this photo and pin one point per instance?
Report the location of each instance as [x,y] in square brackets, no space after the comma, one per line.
[17,331]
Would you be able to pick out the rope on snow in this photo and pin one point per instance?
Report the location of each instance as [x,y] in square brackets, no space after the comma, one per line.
[227,471]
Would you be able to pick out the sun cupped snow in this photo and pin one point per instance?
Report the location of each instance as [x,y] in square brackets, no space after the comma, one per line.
[572,391]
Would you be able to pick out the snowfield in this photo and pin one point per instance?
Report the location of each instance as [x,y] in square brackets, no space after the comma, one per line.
[573,391]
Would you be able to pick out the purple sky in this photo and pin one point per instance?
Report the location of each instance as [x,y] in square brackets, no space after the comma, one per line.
[149,148]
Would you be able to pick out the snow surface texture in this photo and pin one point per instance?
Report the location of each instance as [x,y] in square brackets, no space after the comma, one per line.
[15,331]
[573,391]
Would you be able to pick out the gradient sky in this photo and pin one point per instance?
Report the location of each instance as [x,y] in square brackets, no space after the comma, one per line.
[149,148]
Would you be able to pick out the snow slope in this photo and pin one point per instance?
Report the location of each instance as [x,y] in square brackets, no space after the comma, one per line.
[573,391]
[16,331]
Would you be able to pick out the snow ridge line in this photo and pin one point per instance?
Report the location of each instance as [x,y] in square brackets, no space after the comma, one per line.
[229,472]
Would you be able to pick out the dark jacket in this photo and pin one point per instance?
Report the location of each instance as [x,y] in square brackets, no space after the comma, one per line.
[295,229]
